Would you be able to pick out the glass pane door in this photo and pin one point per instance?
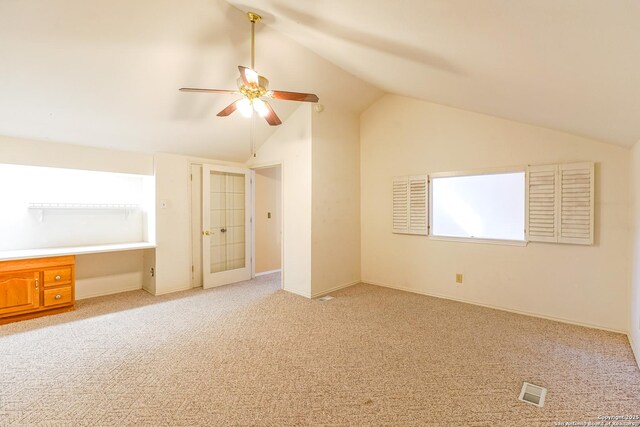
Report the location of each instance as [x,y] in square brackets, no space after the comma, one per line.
[226,238]
[227,221]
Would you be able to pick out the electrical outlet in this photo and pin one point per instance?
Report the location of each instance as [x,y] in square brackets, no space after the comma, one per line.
[152,272]
[269,215]
[458,277]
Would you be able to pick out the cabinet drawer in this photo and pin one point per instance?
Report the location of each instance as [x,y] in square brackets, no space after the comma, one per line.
[58,296]
[59,276]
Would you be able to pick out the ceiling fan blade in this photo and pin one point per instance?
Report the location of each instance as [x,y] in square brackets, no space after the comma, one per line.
[294,96]
[271,117]
[248,76]
[193,89]
[229,109]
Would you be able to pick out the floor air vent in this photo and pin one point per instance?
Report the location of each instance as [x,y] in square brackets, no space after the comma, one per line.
[325,298]
[533,394]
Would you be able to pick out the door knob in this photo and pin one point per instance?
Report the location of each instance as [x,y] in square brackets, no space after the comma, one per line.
[223,230]
[206,233]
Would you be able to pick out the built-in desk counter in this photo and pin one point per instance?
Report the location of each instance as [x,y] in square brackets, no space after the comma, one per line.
[75,250]
[39,282]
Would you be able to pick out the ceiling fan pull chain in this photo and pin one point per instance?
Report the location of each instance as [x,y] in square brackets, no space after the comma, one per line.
[253,129]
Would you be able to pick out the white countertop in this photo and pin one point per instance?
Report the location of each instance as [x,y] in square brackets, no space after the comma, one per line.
[73,250]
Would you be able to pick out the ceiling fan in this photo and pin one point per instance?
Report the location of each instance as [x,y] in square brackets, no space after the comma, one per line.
[255,90]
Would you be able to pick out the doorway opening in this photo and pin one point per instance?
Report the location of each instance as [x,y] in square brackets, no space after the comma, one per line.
[268,220]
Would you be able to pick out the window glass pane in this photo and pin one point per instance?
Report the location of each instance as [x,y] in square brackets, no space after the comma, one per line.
[487,206]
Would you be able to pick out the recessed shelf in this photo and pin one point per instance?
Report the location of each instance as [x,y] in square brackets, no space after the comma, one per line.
[109,206]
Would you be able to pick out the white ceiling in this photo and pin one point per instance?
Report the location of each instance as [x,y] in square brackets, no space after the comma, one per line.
[572,65]
[106,73]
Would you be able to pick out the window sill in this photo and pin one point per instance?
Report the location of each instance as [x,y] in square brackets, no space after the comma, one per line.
[485,241]
[75,250]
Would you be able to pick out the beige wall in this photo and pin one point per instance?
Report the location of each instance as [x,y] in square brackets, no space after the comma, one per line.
[173,224]
[335,244]
[290,146]
[51,154]
[582,284]
[634,300]
[268,200]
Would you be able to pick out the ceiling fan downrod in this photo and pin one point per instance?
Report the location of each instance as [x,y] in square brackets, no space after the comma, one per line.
[253,17]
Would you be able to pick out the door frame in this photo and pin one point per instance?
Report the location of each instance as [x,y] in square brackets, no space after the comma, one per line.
[195,282]
[255,167]
[253,229]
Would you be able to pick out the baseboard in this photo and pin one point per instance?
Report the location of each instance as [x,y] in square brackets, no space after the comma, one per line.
[302,294]
[170,291]
[148,290]
[110,292]
[636,354]
[335,288]
[495,307]
[264,273]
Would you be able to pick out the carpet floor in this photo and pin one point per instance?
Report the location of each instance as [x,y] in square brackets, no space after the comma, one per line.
[251,354]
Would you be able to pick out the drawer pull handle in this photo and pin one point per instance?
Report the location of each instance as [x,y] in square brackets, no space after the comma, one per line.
[58,277]
[58,296]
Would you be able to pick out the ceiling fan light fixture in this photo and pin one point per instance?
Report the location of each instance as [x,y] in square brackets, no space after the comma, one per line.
[252,76]
[260,107]
[245,108]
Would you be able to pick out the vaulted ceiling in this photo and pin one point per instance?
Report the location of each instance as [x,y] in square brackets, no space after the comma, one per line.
[106,72]
[572,65]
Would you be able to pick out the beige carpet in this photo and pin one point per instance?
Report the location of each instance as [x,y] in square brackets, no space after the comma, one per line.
[251,354]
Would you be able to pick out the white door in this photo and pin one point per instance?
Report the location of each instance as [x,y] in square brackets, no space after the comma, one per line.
[226,219]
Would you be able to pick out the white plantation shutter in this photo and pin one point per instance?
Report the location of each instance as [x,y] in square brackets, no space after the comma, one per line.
[542,209]
[560,205]
[577,203]
[418,188]
[401,204]
[410,198]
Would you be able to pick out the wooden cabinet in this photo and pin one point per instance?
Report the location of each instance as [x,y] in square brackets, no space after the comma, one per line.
[36,287]
[19,292]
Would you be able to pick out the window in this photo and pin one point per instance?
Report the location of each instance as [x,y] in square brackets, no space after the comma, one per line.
[488,207]
[554,203]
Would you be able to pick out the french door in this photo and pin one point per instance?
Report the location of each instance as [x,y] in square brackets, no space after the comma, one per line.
[226,219]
